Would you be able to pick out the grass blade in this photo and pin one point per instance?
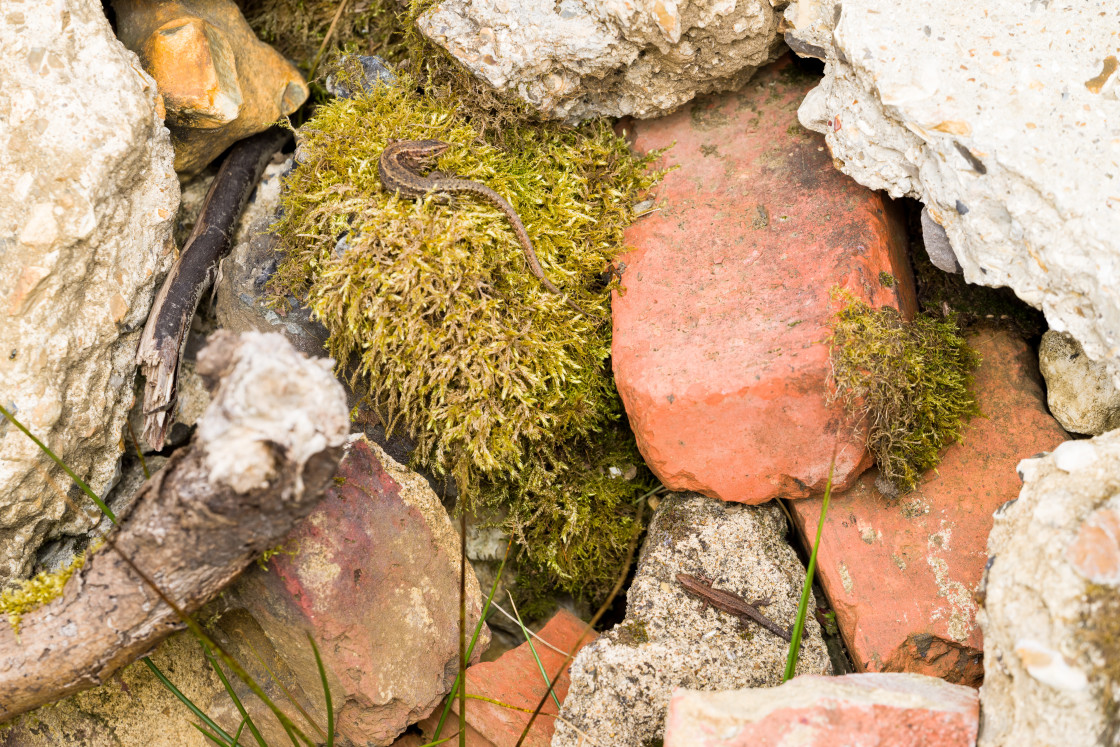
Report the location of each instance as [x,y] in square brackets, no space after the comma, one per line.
[79,481]
[245,718]
[210,736]
[532,648]
[326,691]
[462,626]
[186,701]
[287,693]
[807,588]
[470,648]
[237,734]
[440,741]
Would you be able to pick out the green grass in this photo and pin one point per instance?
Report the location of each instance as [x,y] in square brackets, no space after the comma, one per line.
[807,588]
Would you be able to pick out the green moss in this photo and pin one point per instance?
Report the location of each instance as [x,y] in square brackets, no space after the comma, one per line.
[33,593]
[289,548]
[886,279]
[632,633]
[502,385]
[297,27]
[909,382]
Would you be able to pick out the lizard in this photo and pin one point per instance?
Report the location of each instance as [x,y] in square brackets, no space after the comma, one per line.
[731,603]
[399,167]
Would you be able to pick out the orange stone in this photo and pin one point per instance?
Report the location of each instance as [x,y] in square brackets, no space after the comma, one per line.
[515,679]
[901,573]
[720,345]
[218,82]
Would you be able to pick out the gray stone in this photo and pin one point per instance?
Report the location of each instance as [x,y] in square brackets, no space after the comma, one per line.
[621,682]
[575,59]
[87,199]
[1004,120]
[1052,602]
[359,74]
[243,301]
[937,245]
[1079,391]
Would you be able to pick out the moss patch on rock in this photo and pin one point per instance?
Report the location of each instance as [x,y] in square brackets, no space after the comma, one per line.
[501,383]
[28,595]
[910,382]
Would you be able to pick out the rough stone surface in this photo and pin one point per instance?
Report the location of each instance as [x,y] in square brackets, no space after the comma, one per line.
[901,574]
[719,348]
[621,683]
[515,679]
[87,199]
[133,709]
[1051,617]
[373,576]
[575,59]
[901,710]
[1005,123]
[1079,391]
[218,81]
[243,301]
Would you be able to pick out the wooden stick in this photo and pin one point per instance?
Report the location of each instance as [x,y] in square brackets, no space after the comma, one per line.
[261,458]
[165,333]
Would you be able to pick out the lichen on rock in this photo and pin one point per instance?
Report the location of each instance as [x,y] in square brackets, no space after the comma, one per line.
[501,383]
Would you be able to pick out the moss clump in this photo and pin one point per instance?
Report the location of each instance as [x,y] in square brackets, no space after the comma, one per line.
[297,27]
[909,381]
[502,385]
[38,590]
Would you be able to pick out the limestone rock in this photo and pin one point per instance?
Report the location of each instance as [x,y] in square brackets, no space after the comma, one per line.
[373,575]
[219,82]
[133,709]
[1079,391]
[1053,602]
[901,574]
[718,346]
[1004,120]
[902,710]
[576,59]
[87,199]
[621,683]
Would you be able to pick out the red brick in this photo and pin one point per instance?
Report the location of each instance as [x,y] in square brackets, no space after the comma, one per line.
[515,679]
[719,349]
[900,710]
[901,573]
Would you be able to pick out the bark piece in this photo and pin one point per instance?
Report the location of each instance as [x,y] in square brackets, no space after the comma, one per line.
[261,457]
[165,332]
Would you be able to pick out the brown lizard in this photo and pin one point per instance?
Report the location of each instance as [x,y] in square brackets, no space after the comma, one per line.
[399,165]
[731,603]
